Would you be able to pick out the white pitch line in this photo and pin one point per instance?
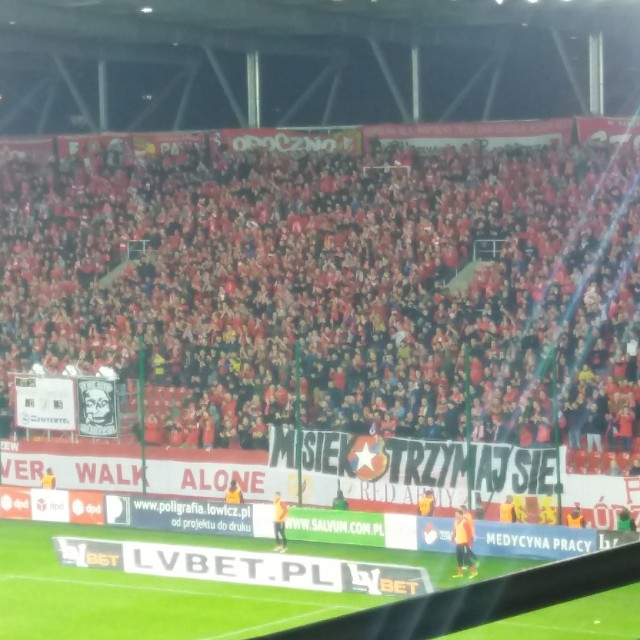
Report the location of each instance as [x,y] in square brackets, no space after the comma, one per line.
[187,592]
[600,632]
[261,627]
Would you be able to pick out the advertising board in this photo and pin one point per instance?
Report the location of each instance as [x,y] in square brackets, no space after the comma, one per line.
[338,527]
[192,516]
[45,403]
[509,540]
[244,567]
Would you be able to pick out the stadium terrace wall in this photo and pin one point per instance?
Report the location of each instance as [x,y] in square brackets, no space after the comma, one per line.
[392,531]
[190,474]
[128,148]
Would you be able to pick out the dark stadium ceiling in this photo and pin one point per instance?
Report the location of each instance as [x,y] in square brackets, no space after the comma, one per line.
[295,26]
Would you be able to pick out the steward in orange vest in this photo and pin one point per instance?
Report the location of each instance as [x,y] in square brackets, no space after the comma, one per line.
[234,494]
[427,503]
[575,519]
[508,510]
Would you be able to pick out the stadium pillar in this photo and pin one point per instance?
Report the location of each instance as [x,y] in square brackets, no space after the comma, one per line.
[596,74]
[298,423]
[556,430]
[467,428]
[253,88]
[415,83]
[391,83]
[103,100]
[226,87]
[141,436]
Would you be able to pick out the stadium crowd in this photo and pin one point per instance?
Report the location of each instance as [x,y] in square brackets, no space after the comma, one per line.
[251,253]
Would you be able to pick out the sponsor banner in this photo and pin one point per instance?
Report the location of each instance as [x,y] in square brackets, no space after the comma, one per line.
[194,516]
[348,141]
[226,565]
[45,403]
[611,539]
[387,580]
[169,143]
[609,130]
[49,506]
[197,478]
[87,553]
[395,470]
[400,531]
[15,504]
[97,408]
[86,508]
[244,567]
[509,540]
[338,527]
[431,137]
[38,150]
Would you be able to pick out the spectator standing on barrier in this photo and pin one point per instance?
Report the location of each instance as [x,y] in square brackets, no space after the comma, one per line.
[626,521]
[427,503]
[234,494]
[575,519]
[508,510]
[340,502]
[462,536]
[49,479]
[280,512]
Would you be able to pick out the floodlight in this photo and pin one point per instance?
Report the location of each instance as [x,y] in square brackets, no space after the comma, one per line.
[107,372]
[39,369]
[146,10]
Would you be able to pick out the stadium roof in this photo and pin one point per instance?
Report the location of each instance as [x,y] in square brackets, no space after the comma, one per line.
[42,35]
[298,25]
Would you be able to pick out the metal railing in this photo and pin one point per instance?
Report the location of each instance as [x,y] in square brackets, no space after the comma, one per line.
[136,249]
[487,248]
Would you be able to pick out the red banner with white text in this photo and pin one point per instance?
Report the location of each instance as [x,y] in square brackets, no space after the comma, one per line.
[97,150]
[431,137]
[611,130]
[347,141]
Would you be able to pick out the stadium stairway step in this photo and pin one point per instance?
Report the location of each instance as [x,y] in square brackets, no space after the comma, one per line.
[460,283]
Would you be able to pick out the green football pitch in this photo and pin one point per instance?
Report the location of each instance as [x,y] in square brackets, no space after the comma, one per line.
[42,600]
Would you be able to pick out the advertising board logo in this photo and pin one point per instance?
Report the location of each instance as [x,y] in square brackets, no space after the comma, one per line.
[118,510]
[368,458]
[431,534]
[6,503]
[77,506]
[292,485]
[95,554]
[41,504]
[384,580]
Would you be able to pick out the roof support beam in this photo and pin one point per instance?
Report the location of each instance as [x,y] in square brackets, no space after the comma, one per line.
[493,86]
[324,75]
[415,83]
[333,92]
[18,108]
[391,82]
[158,101]
[184,99]
[469,87]
[596,73]
[52,94]
[568,67]
[75,92]
[226,87]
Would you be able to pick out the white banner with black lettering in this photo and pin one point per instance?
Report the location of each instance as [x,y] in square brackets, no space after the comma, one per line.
[44,402]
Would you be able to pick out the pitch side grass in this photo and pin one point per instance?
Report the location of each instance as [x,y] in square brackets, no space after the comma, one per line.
[43,600]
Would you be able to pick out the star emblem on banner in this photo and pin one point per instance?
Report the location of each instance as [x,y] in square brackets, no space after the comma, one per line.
[368,458]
